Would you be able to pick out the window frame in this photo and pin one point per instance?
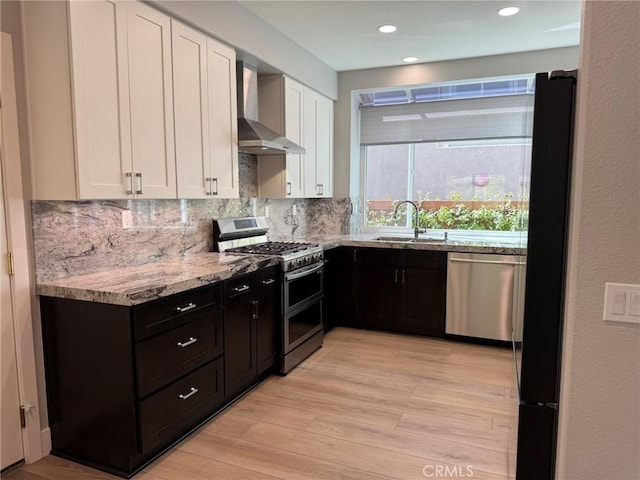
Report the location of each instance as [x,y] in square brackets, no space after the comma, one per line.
[518,237]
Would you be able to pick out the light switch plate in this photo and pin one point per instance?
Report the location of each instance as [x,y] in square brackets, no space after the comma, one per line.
[622,303]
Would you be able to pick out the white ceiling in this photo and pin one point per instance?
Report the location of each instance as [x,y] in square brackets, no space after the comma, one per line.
[344,35]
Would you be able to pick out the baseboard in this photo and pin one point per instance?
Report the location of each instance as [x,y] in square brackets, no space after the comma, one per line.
[45,439]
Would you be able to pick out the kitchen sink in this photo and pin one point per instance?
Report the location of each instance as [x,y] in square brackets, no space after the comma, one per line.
[411,239]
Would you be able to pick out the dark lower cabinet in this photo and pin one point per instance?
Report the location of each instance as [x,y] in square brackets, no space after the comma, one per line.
[184,402]
[268,313]
[379,289]
[126,383]
[345,285]
[240,318]
[423,302]
[251,306]
[330,289]
[396,290]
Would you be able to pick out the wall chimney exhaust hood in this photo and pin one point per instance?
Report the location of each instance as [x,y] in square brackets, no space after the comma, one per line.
[253,137]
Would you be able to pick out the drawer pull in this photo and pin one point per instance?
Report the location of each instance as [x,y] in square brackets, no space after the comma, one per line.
[268,282]
[191,393]
[190,306]
[191,341]
[241,289]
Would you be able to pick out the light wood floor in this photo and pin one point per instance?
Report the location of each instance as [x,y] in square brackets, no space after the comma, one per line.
[368,405]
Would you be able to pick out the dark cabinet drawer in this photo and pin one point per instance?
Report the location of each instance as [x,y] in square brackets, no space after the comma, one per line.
[165,357]
[177,408]
[239,289]
[161,315]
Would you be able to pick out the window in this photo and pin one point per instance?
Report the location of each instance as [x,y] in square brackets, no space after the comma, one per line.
[461,152]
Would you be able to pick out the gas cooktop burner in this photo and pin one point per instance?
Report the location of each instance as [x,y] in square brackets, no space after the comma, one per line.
[272,248]
[247,236]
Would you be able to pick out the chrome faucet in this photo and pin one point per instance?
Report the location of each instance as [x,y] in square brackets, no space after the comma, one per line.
[416,230]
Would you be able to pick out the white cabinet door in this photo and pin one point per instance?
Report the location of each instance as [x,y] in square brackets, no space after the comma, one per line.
[100,98]
[310,141]
[223,123]
[190,103]
[293,130]
[206,128]
[151,101]
[324,146]
[317,140]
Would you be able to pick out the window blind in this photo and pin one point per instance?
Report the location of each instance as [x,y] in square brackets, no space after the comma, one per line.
[508,116]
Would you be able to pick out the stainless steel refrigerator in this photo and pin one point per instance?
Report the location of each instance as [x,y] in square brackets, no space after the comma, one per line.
[552,153]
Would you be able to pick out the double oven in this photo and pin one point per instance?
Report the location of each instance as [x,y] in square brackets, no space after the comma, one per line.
[300,326]
[302,329]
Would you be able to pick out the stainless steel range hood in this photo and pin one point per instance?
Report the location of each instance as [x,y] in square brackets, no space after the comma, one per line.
[253,137]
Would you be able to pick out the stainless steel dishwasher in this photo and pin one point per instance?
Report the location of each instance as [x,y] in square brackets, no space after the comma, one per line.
[485,296]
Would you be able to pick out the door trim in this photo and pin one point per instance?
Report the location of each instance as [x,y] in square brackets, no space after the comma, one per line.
[17,242]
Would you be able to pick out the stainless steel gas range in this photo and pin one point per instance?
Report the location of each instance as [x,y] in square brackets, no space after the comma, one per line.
[301,329]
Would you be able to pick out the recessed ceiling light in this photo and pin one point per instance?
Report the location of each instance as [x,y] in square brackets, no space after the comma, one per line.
[410,59]
[508,11]
[387,28]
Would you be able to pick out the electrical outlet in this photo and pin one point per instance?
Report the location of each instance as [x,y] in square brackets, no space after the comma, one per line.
[266,211]
[294,209]
[127,219]
[622,303]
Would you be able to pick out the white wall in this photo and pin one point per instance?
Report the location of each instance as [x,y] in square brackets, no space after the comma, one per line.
[346,183]
[599,435]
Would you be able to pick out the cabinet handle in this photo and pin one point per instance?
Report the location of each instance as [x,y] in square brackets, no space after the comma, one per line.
[269,282]
[403,276]
[214,191]
[288,188]
[254,310]
[241,289]
[129,175]
[208,186]
[355,255]
[139,177]
[396,275]
[320,189]
[190,306]
[191,341]
[191,393]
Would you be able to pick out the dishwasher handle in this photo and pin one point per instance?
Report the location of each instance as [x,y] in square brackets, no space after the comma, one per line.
[494,262]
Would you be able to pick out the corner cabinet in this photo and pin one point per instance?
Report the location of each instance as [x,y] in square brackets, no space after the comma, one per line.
[111,135]
[397,290]
[126,383]
[304,117]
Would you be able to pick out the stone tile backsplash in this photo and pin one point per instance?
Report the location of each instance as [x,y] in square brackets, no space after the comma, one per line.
[72,238]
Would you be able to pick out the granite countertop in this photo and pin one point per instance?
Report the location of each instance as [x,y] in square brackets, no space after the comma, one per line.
[138,284]
[466,245]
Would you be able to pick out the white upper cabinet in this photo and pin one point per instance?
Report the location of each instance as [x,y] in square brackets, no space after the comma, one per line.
[306,118]
[223,119]
[100,94]
[318,142]
[294,118]
[151,101]
[113,134]
[205,115]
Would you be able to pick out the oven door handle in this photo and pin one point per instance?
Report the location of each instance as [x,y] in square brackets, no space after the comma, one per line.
[304,272]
